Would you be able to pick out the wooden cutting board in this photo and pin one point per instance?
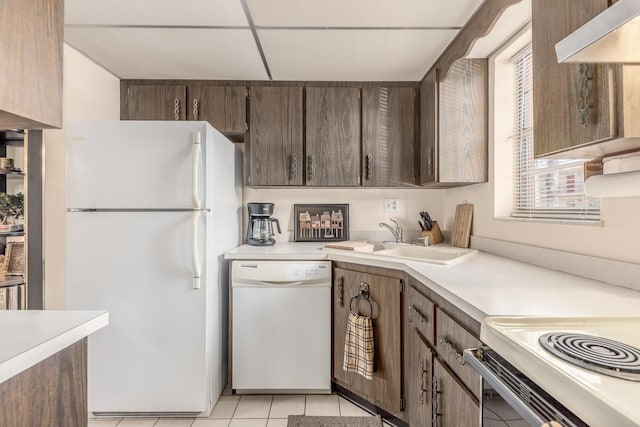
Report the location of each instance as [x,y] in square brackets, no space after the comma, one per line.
[462,225]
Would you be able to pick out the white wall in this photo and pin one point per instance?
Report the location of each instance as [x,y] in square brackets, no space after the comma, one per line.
[365,208]
[89,93]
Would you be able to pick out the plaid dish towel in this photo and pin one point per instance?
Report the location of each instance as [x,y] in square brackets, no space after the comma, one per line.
[358,346]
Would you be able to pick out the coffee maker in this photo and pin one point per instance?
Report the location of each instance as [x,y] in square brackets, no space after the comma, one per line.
[259,227]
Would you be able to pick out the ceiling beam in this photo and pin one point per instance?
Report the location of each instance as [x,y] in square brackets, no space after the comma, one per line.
[247,13]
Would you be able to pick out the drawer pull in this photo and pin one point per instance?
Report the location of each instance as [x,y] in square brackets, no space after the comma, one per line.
[435,403]
[414,313]
[423,390]
[452,350]
[340,292]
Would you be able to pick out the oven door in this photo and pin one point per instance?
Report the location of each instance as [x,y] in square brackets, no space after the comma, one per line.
[511,399]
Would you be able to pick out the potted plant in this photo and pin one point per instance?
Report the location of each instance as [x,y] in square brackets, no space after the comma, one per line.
[11,207]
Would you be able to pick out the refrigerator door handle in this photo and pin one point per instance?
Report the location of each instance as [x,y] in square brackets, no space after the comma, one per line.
[196,255]
[196,168]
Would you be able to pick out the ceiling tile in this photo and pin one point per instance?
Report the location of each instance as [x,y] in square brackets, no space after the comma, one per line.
[170,53]
[402,55]
[155,12]
[362,13]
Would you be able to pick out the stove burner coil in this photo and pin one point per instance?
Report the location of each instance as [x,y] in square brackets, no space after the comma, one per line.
[594,353]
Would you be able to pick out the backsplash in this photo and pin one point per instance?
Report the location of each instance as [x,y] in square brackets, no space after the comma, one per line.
[366,208]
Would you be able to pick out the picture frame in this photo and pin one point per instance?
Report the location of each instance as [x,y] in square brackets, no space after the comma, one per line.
[14,259]
[321,222]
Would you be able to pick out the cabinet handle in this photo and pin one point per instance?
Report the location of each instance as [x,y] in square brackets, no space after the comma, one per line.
[452,350]
[414,313]
[368,166]
[423,390]
[312,167]
[435,402]
[340,292]
[195,109]
[586,72]
[293,165]
[176,109]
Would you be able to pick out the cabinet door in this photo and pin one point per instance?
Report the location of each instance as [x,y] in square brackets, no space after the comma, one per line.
[571,102]
[429,128]
[453,404]
[275,154]
[462,123]
[388,136]
[418,374]
[225,107]
[156,103]
[333,136]
[384,389]
[31,64]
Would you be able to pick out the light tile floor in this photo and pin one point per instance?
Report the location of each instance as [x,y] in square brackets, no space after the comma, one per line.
[249,411]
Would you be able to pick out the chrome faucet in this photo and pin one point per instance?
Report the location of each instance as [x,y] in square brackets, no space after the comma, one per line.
[397,233]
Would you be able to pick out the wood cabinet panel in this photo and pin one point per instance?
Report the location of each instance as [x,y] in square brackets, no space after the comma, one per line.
[462,123]
[225,107]
[453,405]
[451,340]
[31,64]
[275,151]
[429,128]
[385,389]
[420,313]
[50,393]
[156,103]
[388,136]
[418,375]
[572,102]
[333,136]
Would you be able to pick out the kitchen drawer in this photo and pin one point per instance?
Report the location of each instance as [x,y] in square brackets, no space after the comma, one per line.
[420,313]
[451,339]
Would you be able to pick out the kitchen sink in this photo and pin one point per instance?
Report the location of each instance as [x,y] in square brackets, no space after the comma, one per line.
[446,255]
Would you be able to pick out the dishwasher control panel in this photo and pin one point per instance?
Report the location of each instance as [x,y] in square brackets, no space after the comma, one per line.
[280,271]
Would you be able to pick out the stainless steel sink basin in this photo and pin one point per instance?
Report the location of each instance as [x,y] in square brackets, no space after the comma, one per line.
[446,255]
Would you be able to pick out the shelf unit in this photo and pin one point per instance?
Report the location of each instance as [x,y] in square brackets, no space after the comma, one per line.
[25,291]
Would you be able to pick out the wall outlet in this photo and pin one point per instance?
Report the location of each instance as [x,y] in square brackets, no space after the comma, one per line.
[391,205]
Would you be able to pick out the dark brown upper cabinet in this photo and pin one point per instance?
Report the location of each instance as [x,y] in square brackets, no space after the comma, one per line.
[429,127]
[453,125]
[225,107]
[275,150]
[31,64]
[388,136]
[333,136]
[161,102]
[573,103]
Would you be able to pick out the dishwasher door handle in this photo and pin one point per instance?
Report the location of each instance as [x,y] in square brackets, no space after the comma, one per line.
[267,283]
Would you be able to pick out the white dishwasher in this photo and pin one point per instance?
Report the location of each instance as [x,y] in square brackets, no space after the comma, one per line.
[281,326]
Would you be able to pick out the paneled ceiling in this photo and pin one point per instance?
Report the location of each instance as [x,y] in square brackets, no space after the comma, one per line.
[384,40]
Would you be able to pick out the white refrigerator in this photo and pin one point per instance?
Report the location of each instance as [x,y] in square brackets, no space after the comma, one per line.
[151,209]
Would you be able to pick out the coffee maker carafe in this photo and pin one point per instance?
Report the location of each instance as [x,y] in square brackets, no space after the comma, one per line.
[259,227]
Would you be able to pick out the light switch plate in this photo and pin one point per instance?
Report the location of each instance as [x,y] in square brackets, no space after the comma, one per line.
[391,205]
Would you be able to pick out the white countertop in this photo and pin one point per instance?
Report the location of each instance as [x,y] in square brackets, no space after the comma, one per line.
[30,336]
[484,285]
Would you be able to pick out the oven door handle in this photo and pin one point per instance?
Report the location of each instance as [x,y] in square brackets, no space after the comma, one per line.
[522,408]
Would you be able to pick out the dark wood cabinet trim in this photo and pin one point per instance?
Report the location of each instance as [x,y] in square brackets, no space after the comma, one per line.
[50,393]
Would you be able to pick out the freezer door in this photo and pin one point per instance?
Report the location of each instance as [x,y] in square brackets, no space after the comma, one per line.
[154,356]
[136,164]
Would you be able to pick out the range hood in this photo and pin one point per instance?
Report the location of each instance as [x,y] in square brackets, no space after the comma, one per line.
[613,36]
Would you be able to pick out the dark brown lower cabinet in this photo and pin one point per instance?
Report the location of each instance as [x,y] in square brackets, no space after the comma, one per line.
[418,374]
[52,393]
[453,404]
[385,389]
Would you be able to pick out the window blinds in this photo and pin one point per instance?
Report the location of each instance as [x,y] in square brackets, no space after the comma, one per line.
[543,188]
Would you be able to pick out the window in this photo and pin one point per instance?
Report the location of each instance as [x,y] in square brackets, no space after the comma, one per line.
[543,188]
